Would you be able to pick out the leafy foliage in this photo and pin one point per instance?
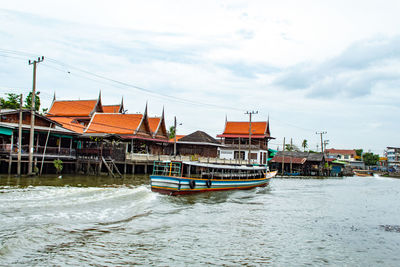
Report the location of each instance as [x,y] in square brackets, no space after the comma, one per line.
[359,152]
[28,101]
[171,132]
[11,102]
[370,159]
[58,164]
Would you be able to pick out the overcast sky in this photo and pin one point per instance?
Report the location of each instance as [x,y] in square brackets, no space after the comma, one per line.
[309,65]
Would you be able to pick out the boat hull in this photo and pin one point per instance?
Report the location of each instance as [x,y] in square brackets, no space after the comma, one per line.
[183,185]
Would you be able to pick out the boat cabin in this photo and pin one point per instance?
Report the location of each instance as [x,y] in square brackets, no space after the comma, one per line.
[208,171]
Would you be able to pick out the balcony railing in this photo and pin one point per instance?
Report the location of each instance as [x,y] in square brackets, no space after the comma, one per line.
[37,150]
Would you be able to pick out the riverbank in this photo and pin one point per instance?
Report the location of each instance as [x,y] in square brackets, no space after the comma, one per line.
[74,180]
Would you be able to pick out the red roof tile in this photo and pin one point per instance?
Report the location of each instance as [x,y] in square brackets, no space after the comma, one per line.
[70,124]
[114,123]
[111,108]
[351,152]
[77,108]
[154,122]
[234,127]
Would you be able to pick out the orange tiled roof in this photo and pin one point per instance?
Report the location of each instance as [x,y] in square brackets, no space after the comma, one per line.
[234,127]
[111,108]
[77,108]
[116,123]
[154,122]
[70,124]
[178,136]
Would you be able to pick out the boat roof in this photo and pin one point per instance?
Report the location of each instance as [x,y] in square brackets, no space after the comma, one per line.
[225,166]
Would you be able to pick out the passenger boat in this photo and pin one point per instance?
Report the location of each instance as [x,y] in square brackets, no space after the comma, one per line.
[179,178]
[363,173]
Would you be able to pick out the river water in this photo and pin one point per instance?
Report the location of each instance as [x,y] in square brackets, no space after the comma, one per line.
[85,221]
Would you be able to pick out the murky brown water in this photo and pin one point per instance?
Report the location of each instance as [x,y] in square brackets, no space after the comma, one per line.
[101,221]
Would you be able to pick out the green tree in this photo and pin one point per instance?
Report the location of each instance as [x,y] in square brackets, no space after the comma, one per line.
[28,101]
[370,159]
[288,147]
[359,152]
[11,102]
[304,144]
[171,132]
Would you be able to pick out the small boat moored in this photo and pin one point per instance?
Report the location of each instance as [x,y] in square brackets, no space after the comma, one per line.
[363,173]
[177,178]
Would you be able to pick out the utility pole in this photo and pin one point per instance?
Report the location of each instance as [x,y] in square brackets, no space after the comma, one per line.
[19,137]
[322,143]
[32,130]
[283,156]
[250,113]
[291,156]
[175,137]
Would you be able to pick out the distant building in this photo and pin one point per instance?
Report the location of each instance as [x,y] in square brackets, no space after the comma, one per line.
[346,155]
[298,163]
[341,154]
[235,139]
[393,157]
[198,143]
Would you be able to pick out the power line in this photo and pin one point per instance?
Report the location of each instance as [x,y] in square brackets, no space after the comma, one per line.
[113,82]
[125,84]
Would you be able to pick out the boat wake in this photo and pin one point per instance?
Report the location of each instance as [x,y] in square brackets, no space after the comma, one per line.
[38,219]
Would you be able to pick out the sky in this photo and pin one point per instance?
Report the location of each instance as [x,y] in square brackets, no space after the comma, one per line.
[308,66]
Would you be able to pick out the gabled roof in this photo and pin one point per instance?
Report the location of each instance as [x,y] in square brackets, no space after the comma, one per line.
[75,108]
[115,123]
[70,124]
[351,152]
[241,129]
[199,137]
[154,123]
[112,109]
[157,126]
[37,116]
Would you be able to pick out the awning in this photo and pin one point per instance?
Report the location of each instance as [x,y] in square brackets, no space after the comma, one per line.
[61,135]
[5,131]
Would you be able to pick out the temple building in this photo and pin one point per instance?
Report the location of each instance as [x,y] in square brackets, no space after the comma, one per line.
[236,141]
[100,125]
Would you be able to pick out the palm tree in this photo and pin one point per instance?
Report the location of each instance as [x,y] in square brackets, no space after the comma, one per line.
[304,144]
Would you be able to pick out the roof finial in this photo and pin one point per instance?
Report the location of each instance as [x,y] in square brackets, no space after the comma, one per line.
[145,109]
[121,107]
[162,113]
[100,94]
[226,118]
[54,96]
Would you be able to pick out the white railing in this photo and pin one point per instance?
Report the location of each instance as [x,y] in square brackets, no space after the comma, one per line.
[141,158]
